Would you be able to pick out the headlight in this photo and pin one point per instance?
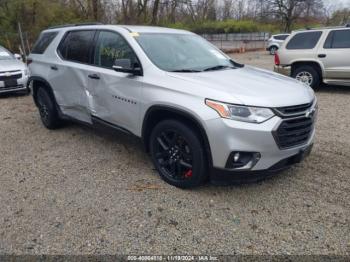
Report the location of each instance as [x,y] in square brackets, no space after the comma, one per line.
[241,113]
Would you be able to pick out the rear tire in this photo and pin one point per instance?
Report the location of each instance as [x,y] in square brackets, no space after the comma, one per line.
[47,109]
[308,75]
[178,154]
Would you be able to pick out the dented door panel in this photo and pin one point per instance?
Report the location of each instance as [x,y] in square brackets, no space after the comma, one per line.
[70,83]
[114,98]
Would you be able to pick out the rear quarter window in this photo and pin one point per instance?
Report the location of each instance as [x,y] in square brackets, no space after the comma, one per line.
[76,46]
[43,42]
[304,40]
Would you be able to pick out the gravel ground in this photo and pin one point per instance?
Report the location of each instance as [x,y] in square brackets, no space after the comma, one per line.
[83,191]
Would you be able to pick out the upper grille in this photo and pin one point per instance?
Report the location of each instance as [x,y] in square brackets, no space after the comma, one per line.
[13,75]
[295,131]
[294,110]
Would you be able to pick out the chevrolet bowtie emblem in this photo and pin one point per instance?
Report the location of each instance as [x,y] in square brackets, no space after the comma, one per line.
[310,112]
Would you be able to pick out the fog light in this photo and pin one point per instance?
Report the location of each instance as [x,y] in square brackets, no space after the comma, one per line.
[236,157]
[242,160]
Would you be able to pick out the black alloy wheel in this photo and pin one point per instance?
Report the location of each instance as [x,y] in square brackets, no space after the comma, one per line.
[178,154]
[47,110]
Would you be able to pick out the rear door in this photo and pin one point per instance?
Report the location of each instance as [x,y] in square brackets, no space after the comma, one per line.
[68,77]
[335,55]
[114,96]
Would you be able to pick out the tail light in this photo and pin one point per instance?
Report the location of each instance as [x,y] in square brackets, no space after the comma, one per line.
[277,59]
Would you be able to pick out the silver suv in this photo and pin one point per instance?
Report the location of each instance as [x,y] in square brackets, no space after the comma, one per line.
[13,73]
[316,55]
[199,114]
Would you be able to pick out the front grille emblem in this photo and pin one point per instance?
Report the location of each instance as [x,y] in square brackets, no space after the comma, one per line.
[310,113]
[7,74]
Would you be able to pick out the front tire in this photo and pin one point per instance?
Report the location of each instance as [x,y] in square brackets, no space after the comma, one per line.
[178,154]
[47,109]
[308,75]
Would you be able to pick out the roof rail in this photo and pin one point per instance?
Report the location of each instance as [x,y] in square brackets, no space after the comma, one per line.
[321,28]
[71,25]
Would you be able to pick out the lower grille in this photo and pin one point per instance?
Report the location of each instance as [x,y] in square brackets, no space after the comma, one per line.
[294,132]
[11,88]
[10,77]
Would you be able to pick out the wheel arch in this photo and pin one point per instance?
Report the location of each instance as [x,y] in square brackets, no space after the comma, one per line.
[35,82]
[314,64]
[158,113]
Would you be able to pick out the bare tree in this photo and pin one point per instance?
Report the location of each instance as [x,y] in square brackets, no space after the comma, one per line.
[287,10]
[155,12]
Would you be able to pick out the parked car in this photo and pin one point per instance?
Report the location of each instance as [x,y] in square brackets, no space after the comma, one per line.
[199,114]
[316,55]
[275,42]
[13,73]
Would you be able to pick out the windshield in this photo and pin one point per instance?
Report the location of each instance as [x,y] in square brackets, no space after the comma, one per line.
[5,55]
[182,52]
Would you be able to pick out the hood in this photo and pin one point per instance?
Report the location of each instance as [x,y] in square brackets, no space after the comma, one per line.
[251,86]
[11,65]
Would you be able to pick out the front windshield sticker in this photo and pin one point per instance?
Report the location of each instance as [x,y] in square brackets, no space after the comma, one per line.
[4,54]
[218,54]
[134,34]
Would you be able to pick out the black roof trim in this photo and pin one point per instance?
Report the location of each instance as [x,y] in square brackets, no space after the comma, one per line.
[127,29]
[71,25]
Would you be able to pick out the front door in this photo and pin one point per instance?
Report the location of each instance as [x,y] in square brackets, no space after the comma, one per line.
[114,96]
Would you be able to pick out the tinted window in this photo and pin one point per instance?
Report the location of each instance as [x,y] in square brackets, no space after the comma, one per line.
[305,40]
[76,46]
[329,40]
[111,46]
[281,37]
[338,39]
[43,42]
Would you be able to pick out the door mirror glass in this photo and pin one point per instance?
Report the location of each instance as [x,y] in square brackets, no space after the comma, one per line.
[125,66]
[122,63]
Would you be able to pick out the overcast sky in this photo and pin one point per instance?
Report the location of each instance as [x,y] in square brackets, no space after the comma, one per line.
[343,3]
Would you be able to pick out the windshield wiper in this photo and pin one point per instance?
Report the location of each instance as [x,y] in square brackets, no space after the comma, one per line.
[218,67]
[186,71]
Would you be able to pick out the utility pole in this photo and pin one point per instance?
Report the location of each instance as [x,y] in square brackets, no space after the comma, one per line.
[22,41]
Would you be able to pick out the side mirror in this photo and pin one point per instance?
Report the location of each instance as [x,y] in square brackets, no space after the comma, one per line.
[18,56]
[124,66]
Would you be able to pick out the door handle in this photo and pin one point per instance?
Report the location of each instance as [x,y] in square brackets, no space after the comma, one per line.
[322,55]
[94,76]
[54,68]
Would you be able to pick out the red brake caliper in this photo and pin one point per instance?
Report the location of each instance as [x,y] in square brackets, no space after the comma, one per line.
[188,173]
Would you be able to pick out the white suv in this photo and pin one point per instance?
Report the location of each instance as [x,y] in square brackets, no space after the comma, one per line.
[200,114]
[275,42]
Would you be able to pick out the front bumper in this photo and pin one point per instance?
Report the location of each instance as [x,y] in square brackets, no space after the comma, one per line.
[20,86]
[227,136]
[223,176]
[284,70]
